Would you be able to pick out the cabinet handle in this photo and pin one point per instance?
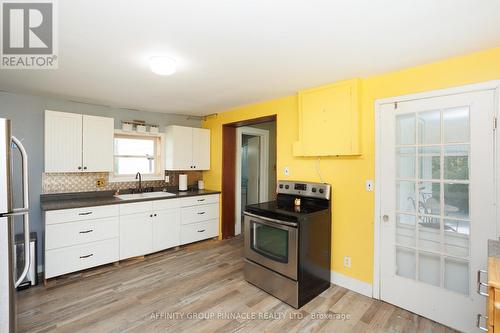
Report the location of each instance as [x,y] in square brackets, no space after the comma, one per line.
[86,231]
[151,215]
[202,230]
[87,256]
[478,322]
[84,168]
[156,215]
[87,213]
[200,200]
[481,284]
[201,213]
[79,168]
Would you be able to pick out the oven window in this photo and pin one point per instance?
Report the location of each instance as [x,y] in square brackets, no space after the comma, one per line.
[269,241]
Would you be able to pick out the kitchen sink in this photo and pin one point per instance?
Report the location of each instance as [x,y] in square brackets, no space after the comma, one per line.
[144,195]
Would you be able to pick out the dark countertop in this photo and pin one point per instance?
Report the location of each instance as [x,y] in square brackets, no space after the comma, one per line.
[59,201]
[493,248]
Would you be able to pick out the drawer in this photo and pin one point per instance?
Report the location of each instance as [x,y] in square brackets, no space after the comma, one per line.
[199,213]
[166,204]
[136,207]
[75,258]
[80,214]
[198,231]
[199,200]
[80,232]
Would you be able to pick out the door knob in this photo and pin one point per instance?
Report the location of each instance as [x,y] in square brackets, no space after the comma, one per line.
[385,218]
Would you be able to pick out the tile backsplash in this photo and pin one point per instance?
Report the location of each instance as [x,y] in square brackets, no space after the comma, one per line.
[87,182]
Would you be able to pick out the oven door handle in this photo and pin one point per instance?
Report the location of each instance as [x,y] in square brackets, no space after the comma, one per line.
[278,222]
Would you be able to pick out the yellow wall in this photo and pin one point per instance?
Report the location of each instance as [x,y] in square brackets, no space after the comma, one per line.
[353,207]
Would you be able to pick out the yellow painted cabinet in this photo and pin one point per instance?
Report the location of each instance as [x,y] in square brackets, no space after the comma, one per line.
[329,120]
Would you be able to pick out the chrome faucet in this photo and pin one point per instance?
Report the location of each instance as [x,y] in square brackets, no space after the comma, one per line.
[139,176]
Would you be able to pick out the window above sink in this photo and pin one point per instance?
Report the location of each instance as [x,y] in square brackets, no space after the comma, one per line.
[137,152]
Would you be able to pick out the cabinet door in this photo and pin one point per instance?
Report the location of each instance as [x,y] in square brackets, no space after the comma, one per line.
[136,235]
[179,152]
[329,120]
[98,135]
[166,229]
[201,149]
[63,142]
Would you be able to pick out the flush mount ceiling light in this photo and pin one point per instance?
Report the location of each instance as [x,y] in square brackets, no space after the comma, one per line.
[162,65]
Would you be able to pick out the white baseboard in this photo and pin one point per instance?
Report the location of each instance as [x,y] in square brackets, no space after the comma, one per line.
[350,283]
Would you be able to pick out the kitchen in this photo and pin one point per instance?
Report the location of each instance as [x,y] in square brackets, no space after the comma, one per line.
[376,178]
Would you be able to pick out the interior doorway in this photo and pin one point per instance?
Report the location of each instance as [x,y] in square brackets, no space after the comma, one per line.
[253,157]
[264,179]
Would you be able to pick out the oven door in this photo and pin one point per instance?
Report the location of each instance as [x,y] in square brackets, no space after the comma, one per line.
[272,244]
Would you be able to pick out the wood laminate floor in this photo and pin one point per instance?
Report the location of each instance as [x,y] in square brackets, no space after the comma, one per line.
[198,288]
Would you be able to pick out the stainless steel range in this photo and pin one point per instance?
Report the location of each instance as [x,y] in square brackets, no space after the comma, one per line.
[288,242]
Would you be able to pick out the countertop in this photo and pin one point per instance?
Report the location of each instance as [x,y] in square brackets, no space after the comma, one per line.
[102,198]
[493,248]
[494,263]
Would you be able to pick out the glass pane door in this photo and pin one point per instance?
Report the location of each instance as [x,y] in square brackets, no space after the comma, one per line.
[432,198]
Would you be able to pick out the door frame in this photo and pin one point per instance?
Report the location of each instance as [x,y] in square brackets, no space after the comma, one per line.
[489,85]
[264,168]
[228,176]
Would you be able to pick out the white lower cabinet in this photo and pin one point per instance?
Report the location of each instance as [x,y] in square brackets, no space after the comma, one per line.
[80,232]
[144,229]
[136,232]
[75,258]
[197,231]
[81,238]
[166,229]
[199,218]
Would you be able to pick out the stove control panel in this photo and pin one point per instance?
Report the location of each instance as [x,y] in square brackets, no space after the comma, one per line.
[304,189]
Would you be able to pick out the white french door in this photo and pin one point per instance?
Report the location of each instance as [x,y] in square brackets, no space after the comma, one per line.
[437,204]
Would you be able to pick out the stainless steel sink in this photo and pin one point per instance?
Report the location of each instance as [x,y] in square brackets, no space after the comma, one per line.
[144,195]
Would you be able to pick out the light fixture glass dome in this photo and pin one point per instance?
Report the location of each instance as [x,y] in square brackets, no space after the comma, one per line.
[162,65]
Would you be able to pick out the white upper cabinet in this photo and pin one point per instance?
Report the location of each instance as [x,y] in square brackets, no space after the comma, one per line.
[187,148]
[98,135]
[201,149]
[63,142]
[78,143]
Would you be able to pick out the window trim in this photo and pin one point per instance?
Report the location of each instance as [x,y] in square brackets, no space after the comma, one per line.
[160,157]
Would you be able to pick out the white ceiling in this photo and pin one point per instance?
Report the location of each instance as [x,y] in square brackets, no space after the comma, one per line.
[235,52]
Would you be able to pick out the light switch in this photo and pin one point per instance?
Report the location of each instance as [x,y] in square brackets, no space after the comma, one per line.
[369,185]
[286,171]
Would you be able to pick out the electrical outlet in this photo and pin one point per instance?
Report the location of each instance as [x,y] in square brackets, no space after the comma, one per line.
[369,185]
[347,262]
[286,171]
[167,179]
[101,182]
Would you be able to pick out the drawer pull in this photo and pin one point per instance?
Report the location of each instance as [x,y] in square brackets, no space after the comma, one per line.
[87,213]
[87,256]
[200,200]
[201,213]
[86,231]
[478,322]
[202,230]
[481,284]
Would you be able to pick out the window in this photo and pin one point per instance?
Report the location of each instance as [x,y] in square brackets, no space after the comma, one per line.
[137,153]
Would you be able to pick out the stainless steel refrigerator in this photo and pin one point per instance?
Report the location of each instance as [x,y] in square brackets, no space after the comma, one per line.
[8,280]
